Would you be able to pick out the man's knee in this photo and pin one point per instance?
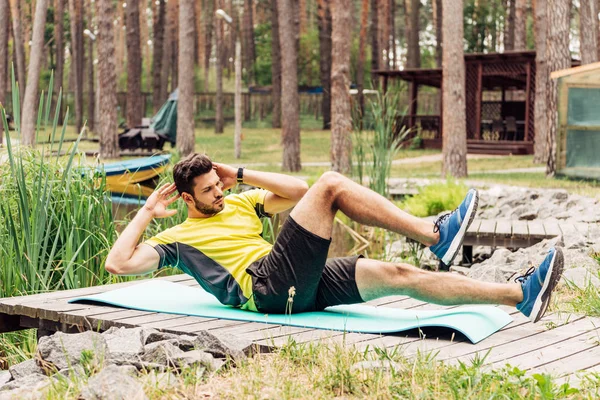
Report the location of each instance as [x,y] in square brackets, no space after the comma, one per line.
[331,182]
[403,275]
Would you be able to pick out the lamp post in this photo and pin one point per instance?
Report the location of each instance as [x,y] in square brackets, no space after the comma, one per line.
[91,101]
[237,136]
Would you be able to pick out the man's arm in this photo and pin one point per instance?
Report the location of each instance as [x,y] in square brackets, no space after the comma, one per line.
[284,190]
[127,257]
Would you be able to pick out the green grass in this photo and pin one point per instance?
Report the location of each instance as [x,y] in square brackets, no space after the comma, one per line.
[435,198]
[325,370]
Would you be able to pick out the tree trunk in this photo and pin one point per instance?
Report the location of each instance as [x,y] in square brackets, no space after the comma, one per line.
[174,45]
[341,126]
[509,30]
[18,45]
[219,69]
[134,65]
[588,19]
[541,82]
[453,88]
[375,50]
[250,53]
[413,55]
[559,57]
[324,25]
[275,66]
[166,60]
[185,103]
[30,103]
[392,47]
[91,106]
[59,14]
[520,24]
[360,68]
[208,29]
[76,13]
[290,107]
[3,56]
[158,31]
[437,23]
[107,78]
[198,16]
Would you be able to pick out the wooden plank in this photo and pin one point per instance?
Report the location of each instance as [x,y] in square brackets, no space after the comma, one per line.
[487,228]
[536,230]
[474,227]
[547,355]
[567,227]
[520,230]
[574,362]
[6,302]
[543,339]
[503,228]
[552,228]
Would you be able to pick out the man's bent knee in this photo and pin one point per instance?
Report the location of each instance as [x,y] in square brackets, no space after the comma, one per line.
[331,182]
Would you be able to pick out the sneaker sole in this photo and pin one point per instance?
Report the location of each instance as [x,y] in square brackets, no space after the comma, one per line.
[460,236]
[552,278]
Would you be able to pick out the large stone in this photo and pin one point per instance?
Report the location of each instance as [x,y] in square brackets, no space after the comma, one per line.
[224,345]
[161,380]
[581,277]
[25,368]
[196,358]
[64,350]
[33,382]
[124,343]
[162,353]
[112,384]
[5,377]
[150,335]
[24,394]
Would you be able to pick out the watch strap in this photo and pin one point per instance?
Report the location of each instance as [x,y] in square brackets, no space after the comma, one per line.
[240,175]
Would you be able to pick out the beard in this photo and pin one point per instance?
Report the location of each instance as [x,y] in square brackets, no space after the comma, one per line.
[208,209]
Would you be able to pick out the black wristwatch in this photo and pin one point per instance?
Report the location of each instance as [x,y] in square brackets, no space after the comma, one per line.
[240,175]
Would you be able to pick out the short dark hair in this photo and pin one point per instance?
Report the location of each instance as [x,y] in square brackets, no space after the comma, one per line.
[186,170]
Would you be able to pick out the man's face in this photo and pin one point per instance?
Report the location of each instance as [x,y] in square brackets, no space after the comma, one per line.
[208,194]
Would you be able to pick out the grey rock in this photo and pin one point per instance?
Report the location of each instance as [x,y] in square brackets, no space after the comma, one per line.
[161,380]
[460,270]
[528,215]
[153,336]
[196,358]
[64,350]
[113,384]
[224,345]
[377,365]
[5,377]
[560,195]
[162,353]
[23,394]
[25,368]
[32,382]
[581,277]
[76,371]
[124,342]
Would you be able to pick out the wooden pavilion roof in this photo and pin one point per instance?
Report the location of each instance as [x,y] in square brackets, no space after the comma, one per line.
[433,76]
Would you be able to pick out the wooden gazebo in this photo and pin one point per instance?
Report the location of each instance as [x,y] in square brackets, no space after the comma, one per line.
[500,99]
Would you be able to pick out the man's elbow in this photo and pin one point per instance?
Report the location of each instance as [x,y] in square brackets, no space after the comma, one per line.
[112,268]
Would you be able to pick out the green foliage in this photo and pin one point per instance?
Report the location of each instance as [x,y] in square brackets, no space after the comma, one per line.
[586,299]
[55,221]
[373,152]
[435,198]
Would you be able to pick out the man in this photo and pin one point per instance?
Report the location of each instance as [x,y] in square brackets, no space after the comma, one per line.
[220,245]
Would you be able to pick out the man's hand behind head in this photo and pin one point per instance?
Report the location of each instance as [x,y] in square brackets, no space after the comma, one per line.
[227,174]
[160,199]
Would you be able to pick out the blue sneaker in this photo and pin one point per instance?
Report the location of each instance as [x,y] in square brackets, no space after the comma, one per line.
[539,283]
[453,226]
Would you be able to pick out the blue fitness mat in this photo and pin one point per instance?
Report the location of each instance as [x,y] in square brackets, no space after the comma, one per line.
[475,322]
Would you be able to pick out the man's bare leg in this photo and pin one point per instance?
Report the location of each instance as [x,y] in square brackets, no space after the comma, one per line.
[333,192]
[377,279]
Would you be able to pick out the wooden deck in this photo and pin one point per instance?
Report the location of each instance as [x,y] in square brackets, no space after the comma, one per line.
[559,344]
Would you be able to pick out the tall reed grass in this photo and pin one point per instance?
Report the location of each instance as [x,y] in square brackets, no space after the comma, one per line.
[56,223]
[375,148]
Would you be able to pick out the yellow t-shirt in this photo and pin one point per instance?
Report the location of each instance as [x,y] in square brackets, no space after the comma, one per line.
[217,250]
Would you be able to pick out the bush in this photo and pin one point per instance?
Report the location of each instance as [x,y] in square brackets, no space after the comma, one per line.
[435,198]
